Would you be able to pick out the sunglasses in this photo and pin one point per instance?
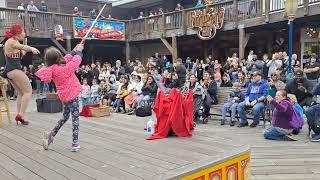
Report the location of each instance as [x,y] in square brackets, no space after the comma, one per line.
[273,75]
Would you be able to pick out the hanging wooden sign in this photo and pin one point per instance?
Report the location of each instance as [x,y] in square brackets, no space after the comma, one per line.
[207,21]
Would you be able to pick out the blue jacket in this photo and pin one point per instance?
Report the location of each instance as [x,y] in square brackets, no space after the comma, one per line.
[316,90]
[257,90]
[239,95]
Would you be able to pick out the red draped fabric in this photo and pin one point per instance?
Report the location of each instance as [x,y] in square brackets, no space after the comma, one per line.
[174,113]
[86,110]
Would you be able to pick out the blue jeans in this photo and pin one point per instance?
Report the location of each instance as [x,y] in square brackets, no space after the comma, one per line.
[227,107]
[311,114]
[256,110]
[142,100]
[85,101]
[94,100]
[117,103]
[273,134]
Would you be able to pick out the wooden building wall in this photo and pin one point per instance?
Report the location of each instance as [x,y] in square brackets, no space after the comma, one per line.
[66,6]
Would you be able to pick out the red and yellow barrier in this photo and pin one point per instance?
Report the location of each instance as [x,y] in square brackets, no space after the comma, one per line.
[237,168]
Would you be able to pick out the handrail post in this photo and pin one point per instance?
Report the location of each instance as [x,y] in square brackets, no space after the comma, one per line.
[27,22]
[235,13]
[184,22]
[267,10]
[53,23]
[306,7]
[145,28]
[163,24]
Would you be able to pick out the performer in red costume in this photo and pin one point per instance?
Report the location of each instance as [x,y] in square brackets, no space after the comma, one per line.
[13,52]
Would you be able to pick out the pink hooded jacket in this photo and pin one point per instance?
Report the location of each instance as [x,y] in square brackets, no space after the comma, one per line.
[64,77]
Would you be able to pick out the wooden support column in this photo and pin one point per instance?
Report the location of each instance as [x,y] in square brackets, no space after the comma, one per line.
[27,23]
[243,41]
[235,12]
[128,51]
[173,49]
[59,46]
[184,22]
[306,7]
[267,10]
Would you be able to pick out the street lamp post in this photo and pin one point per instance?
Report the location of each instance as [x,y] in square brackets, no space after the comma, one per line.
[291,7]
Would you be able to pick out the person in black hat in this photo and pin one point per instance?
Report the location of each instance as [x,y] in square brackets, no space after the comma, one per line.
[301,88]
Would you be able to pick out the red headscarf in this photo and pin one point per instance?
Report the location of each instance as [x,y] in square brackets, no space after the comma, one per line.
[14,30]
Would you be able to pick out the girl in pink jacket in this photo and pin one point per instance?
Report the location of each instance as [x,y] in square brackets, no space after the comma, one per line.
[62,72]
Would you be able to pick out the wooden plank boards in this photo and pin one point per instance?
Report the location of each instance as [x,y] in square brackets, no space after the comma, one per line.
[116,149]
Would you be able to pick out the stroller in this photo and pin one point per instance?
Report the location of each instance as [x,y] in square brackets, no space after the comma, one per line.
[198,100]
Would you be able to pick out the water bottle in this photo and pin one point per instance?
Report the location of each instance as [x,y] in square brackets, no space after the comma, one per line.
[150,127]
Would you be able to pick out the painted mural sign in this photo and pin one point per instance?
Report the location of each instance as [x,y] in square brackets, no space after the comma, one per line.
[103,30]
[207,21]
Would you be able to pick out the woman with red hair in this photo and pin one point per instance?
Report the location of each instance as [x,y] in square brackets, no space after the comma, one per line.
[13,51]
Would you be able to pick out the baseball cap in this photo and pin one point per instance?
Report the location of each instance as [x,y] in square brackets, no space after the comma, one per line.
[257,73]
[298,73]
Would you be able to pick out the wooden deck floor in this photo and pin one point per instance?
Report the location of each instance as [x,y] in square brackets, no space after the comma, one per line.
[115,148]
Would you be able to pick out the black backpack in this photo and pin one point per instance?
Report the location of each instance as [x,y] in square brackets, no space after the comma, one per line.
[144,111]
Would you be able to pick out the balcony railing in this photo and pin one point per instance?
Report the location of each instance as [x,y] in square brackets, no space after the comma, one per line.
[41,24]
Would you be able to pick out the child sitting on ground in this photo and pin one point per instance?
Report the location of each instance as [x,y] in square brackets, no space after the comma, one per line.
[62,72]
[296,105]
[234,98]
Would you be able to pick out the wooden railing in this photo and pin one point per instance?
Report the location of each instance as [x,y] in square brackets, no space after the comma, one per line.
[41,24]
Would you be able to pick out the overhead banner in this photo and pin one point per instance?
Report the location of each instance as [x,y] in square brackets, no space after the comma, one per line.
[102,30]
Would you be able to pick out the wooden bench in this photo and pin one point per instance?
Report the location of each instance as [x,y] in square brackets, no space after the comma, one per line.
[223,92]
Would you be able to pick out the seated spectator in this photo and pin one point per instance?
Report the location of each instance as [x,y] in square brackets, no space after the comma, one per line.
[21,6]
[281,117]
[256,65]
[234,98]
[199,72]
[113,88]
[94,99]
[312,114]
[199,4]
[217,75]
[141,15]
[149,91]
[85,92]
[121,93]
[173,82]
[301,88]
[181,72]
[102,92]
[275,83]
[294,102]
[242,79]
[255,97]
[210,87]
[312,70]
[134,90]
[226,82]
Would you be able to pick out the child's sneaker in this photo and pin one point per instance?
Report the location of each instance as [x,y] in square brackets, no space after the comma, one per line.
[47,140]
[75,148]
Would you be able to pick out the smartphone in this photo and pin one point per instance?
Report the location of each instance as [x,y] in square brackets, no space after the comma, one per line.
[272,93]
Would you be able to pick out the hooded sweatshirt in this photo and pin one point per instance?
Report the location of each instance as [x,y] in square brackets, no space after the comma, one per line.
[282,114]
[257,90]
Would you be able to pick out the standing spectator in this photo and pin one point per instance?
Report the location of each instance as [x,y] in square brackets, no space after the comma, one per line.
[95,71]
[21,6]
[275,82]
[199,4]
[273,64]
[94,99]
[32,7]
[85,92]
[141,15]
[312,70]
[301,88]
[119,70]
[160,11]
[43,7]
[93,14]
[181,72]
[255,96]
[179,7]
[76,11]
[200,72]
